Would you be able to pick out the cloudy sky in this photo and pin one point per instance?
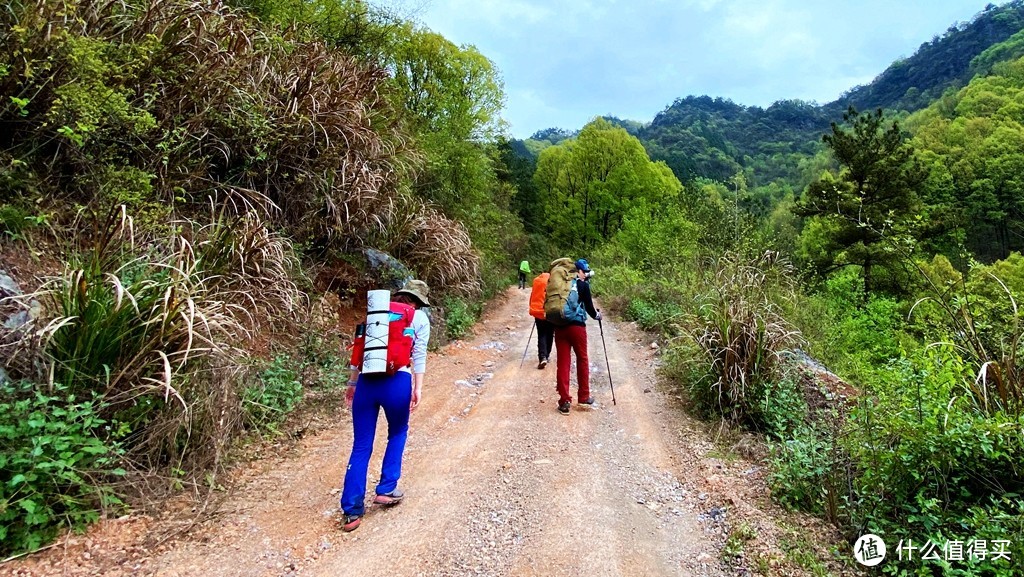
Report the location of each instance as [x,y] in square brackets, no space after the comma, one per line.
[564,62]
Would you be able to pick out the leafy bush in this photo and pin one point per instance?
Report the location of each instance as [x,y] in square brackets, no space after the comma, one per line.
[916,458]
[651,238]
[798,465]
[848,332]
[922,440]
[779,407]
[324,361]
[653,315]
[267,402]
[14,219]
[459,317]
[618,281]
[655,302]
[56,457]
[985,321]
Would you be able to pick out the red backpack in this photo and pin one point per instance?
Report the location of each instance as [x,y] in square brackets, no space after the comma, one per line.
[400,339]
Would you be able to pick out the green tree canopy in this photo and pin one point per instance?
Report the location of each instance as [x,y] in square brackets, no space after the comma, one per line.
[973,142]
[588,184]
[873,200]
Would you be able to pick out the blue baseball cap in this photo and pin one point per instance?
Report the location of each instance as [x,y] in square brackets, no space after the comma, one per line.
[582,265]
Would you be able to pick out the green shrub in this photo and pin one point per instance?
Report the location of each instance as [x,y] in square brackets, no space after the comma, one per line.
[652,315]
[779,408]
[322,365]
[849,333]
[14,219]
[55,458]
[459,316]
[267,402]
[618,281]
[921,440]
[916,459]
[798,465]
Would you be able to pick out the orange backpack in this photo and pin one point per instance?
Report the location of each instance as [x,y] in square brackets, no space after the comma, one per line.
[540,285]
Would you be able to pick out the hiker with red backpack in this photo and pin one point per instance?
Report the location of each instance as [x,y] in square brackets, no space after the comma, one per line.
[545,330]
[567,303]
[397,389]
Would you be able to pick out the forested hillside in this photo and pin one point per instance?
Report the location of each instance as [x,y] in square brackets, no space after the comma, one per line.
[951,59]
[708,137]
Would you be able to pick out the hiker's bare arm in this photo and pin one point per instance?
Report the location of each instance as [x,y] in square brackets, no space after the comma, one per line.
[417,389]
[350,391]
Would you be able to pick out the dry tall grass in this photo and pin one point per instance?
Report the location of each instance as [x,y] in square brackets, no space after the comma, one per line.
[156,330]
[203,102]
[740,332]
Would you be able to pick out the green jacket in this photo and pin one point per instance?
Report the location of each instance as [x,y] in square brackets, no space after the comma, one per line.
[524,266]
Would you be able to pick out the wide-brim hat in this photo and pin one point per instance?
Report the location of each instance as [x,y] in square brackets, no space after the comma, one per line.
[416,289]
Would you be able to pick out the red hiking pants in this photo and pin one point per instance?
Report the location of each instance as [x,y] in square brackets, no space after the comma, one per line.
[574,337]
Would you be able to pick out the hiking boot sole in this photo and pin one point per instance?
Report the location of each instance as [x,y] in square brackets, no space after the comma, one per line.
[351,523]
[388,500]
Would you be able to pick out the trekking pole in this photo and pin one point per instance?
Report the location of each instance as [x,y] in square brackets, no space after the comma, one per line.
[607,363]
[527,345]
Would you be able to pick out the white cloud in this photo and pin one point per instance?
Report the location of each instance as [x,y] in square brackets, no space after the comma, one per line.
[455,18]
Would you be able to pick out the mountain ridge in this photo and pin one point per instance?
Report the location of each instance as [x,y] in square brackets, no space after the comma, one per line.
[716,138]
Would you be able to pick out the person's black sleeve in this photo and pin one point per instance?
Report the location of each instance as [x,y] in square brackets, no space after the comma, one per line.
[586,299]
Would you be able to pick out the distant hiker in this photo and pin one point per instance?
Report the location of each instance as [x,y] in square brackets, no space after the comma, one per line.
[524,269]
[398,394]
[567,304]
[545,330]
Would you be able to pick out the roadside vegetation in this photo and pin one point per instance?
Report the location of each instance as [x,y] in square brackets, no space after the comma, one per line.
[921,436]
[181,186]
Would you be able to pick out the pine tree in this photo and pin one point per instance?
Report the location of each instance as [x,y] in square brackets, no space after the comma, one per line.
[874,199]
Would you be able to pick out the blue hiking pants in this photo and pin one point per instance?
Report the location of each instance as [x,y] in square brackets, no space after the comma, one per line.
[393,393]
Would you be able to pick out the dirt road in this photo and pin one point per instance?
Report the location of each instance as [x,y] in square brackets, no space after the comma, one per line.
[497,482]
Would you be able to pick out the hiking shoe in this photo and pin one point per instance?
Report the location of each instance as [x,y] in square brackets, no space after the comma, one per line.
[543,363]
[587,403]
[351,523]
[389,499]
[564,407]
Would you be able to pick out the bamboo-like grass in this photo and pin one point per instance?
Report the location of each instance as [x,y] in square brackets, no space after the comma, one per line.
[214,104]
[154,330]
[740,331]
